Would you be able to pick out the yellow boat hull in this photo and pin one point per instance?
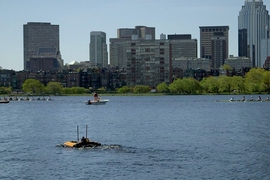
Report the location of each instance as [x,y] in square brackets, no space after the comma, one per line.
[70,143]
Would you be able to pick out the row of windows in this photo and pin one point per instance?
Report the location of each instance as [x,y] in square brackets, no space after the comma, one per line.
[213,30]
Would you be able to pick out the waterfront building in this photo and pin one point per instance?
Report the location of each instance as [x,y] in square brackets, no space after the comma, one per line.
[148,62]
[182,46]
[219,51]
[253,22]
[117,49]
[98,49]
[41,39]
[189,63]
[214,45]
[238,63]
[117,45]
[206,34]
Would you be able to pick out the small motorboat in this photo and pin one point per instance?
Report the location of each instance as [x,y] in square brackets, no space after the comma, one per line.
[84,143]
[98,102]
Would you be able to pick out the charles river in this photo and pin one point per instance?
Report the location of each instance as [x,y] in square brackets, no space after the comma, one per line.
[143,137]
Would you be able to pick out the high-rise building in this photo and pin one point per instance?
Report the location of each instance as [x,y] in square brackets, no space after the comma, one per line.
[219,51]
[98,49]
[206,34]
[143,32]
[118,45]
[148,62]
[214,42]
[117,52]
[242,43]
[254,19]
[41,40]
[183,46]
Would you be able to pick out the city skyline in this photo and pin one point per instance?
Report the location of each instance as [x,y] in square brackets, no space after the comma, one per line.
[77,19]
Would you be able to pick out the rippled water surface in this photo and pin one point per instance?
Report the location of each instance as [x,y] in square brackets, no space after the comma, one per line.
[143,137]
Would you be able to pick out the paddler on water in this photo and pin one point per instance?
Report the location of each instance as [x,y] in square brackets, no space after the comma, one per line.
[243,99]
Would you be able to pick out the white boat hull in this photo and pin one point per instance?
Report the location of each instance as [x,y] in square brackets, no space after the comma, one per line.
[100,102]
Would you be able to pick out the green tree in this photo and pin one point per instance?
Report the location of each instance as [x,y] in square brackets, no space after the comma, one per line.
[227,67]
[162,88]
[238,83]
[141,89]
[191,85]
[210,84]
[203,84]
[67,91]
[5,90]
[54,88]
[225,84]
[176,86]
[124,90]
[78,90]
[266,81]
[33,86]
[254,79]
[101,90]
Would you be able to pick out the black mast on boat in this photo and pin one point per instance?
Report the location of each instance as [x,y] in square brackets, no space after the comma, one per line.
[78,133]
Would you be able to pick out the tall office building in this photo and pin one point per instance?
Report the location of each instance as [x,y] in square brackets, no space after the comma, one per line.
[254,19]
[143,32]
[118,45]
[41,39]
[206,34]
[148,62]
[98,49]
[219,51]
[183,46]
[213,41]
[242,43]
[265,47]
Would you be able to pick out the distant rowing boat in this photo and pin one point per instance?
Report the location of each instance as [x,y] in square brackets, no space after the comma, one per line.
[4,101]
[242,101]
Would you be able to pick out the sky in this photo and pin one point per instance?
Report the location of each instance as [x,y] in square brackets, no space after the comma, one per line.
[77,18]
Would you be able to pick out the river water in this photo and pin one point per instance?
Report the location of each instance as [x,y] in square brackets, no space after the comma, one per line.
[143,137]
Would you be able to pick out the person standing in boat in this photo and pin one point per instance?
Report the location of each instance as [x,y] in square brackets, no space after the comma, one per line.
[96,98]
[83,140]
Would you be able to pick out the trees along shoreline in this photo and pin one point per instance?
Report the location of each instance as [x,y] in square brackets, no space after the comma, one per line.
[256,81]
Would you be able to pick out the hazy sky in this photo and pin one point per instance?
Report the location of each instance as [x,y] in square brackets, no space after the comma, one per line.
[77,18]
